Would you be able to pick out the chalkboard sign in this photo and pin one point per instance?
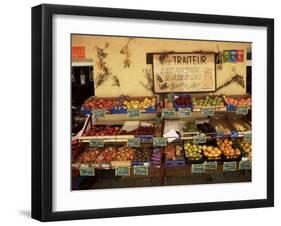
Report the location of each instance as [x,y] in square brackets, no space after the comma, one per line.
[168,112]
[208,111]
[140,170]
[198,168]
[133,113]
[242,110]
[122,171]
[211,165]
[99,113]
[229,166]
[245,165]
[200,138]
[159,142]
[86,170]
[96,143]
[184,112]
[134,142]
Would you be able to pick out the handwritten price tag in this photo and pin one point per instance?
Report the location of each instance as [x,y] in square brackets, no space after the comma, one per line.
[229,166]
[208,111]
[134,142]
[248,137]
[86,170]
[99,113]
[198,168]
[133,113]
[168,112]
[245,165]
[200,139]
[211,165]
[140,170]
[122,171]
[159,142]
[242,110]
[96,143]
[184,112]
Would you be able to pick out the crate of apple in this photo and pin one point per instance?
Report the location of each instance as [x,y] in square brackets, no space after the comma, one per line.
[100,103]
[89,155]
[103,130]
[106,155]
[238,101]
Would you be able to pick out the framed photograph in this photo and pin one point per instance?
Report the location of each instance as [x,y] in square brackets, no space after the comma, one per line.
[146,112]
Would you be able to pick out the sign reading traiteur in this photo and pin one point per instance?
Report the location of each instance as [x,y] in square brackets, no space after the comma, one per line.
[184,72]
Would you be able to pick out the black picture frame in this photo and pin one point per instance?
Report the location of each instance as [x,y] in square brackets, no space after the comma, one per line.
[42,111]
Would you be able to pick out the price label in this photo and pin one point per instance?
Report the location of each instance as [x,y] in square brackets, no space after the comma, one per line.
[96,143]
[220,134]
[168,112]
[200,139]
[134,142]
[86,170]
[234,134]
[159,142]
[198,168]
[208,111]
[229,166]
[242,110]
[245,165]
[248,137]
[184,112]
[211,165]
[99,113]
[122,171]
[140,170]
[133,113]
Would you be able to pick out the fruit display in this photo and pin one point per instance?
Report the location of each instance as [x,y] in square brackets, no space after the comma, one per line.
[155,160]
[100,103]
[246,147]
[211,152]
[208,101]
[228,151]
[240,126]
[142,155]
[89,156]
[182,101]
[205,127]
[124,154]
[173,152]
[102,130]
[140,104]
[189,126]
[221,126]
[193,151]
[239,101]
[145,128]
[106,156]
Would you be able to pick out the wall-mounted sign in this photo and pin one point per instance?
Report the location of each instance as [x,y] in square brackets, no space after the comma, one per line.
[78,52]
[184,72]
